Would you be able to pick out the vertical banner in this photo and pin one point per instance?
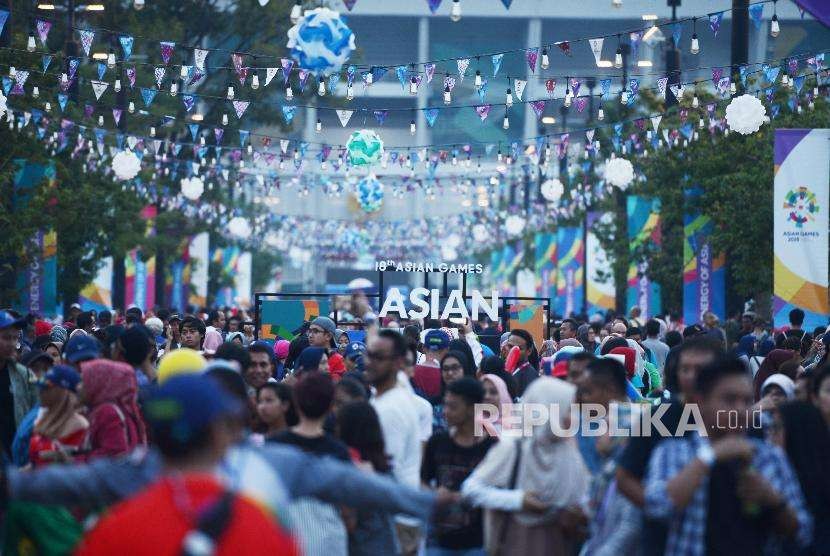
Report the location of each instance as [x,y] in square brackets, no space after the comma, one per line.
[504,269]
[242,280]
[37,279]
[599,282]
[199,256]
[529,316]
[703,271]
[97,295]
[495,268]
[800,203]
[140,287]
[570,250]
[525,283]
[544,253]
[643,228]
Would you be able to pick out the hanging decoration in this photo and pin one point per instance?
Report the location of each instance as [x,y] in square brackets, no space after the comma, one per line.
[193,187]
[239,227]
[514,225]
[369,194]
[126,165]
[321,41]
[480,233]
[552,189]
[619,172]
[745,114]
[2,105]
[365,147]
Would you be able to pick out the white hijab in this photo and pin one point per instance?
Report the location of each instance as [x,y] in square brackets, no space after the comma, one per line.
[550,466]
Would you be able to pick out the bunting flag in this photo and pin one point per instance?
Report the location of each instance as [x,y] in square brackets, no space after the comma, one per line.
[199,57]
[565,47]
[400,71]
[771,74]
[188,100]
[635,38]
[581,103]
[575,84]
[116,115]
[483,110]
[102,69]
[496,59]
[287,64]
[288,113]
[349,4]
[550,85]
[99,87]
[378,73]
[243,137]
[351,71]
[302,76]
[596,48]
[676,33]
[677,91]
[380,115]
[86,40]
[148,95]
[4,16]
[74,63]
[240,106]
[344,116]
[714,22]
[433,5]
[463,64]
[507,3]
[605,87]
[20,78]
[43,28]
[270,73]
[167,49]
[661,85]
[126,42]
[430,115]
[539,107]
[519,86]
[717,73]
[756,14]
[482,91]
[131,75]
[45,60]
[429,70]
[218,134]
[158,73]
[194,131]
[655,121]
[449,83]
[62,98]
[531,55]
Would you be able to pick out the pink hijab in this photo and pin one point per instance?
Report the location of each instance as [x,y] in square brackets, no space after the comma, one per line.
[505,403]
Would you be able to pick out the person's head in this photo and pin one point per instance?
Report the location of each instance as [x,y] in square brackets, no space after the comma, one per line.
[217,319]
[85,321]
[135,345]
[312,359]
[652,328]
[354,356]
[635,312]
[54,349]
[673,338]
[55,383]
[619,328]
[232,351]
[281,348]
[778,388]
[261,367]
[178,362]
[313,395]
[796,318]
[523,340]
[821,392]
[604,381]
[452,366]
[568,329]
[104,318]
[495,390]
[104,381]
[436,343]
[273,401]
[634,333]
[132,316]
[37,361]
[385,357]
[349,389]
[693,355]
[723,388]
[710,320]
[155,325]
[234,324]
[190,418]
[10,327]
[577,364]
[460,399]
[321,332]
[81,347]
[192,332]
[358,427]
[342,339]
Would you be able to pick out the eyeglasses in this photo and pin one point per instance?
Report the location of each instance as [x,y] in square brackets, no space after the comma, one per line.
[315,331]
[379,356]
[452,368]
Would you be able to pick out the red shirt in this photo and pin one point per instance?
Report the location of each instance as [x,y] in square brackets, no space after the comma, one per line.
[155,522]
[40,445]
[337,367]
[428,380]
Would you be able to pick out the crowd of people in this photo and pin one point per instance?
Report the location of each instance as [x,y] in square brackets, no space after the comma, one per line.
[161,433]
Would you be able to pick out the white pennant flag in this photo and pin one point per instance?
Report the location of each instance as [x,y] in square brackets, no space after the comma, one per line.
[677,91]
[195,166]
[199,56]
[269,75]
[520,87]
[226,173]
[655,121]
[284,145]
[661,85]
[132,142]
[26,117]
[344,116]
[666,137]
[590,135]
[596,48]
[101,148]
[156,145]
[98,87]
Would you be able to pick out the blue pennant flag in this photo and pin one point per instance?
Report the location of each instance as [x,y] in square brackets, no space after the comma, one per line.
[126,45]
[288,113]
[41,132]
[119,141]
[7,85]
[4,16]
[791,104]
[687,130]
[430,115]
[148,95]
[605,86]
[99,134]
[36,115]
[188,100]
[400,71]
[194,131]
[771,73]
[743,70]
[177,148]
[482,91]
[676,32]
[102,69]
[380,115]
[756,14]
[616,142]
[45,60]
[774,110]
[799,83]
[62,98]
[332,83]
[618,129]
[243,137]
[303,148]
[378,73]
[497,58]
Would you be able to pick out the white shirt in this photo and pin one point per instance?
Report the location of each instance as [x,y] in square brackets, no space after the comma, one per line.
[401,433]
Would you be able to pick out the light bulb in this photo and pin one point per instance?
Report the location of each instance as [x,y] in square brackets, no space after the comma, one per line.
[499,156]
[183,71]
[623,97]
[296,154]
[48,106]
[545,59]
[111,59]
[174,88]
[321,88]
[131,107]
[224,119]
[289,94]
[601,114]
[695,44]
[35,91]
[506,123]
[508,100]
[230,92]
[455,11]
[138,4]
[13,72]
[618,61]
[370,78]
[64,77]
[616,3]
[250,148]
[117,85]
[785,79]
[412,127]
[30,44]
[815,91]
[695,102]
[454,160]
[413,86]
[319,126]
[349,92]
[100,120]
[296,12]
[811,105]
[774,29]
[478,81]
[447,95]
[202,140]
[701,124]
[152,131]
[733,88]
[568,97]
[255,82]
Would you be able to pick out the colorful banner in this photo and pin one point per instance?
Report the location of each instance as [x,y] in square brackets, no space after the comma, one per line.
[570,292]
[198,253]
[37,281]
[242,280]
[643,229]
[704,272]
[529,316]
[801,201]
[601,291]
[495,265]
[280,317]
[545,264]
[140,286]
[97,295]
[227,257]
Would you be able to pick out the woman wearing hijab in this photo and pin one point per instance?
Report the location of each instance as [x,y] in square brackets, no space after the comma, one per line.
[771,365]
[586,336]
[539,481]
[110,391]
[59,428]
[312,359]
[746,351]
[212,341]
[495,393]
[494,365]
[469,360]
[776,390]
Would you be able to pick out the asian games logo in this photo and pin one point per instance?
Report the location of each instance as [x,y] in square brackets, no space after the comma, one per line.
[801,206]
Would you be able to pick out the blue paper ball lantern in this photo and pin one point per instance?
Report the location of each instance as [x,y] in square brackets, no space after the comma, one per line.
[369,194]
[321,42]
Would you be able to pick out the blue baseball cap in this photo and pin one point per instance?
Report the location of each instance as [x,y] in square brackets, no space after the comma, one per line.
[186,404]
[63,376]
[81,347]
[7,320]
[355,350]
[436,340]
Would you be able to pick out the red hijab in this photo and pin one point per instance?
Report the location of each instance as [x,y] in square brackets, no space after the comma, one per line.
[630,359]
[108,382]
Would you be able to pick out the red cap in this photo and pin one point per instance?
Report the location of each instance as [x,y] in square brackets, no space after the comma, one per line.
[42,328]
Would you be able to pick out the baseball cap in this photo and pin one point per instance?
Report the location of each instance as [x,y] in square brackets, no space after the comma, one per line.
[35,355]
[81,347]
[7,320]
[326,324]
[436,340]
[63,376]
[180,362]
[186,404]
[355,350]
